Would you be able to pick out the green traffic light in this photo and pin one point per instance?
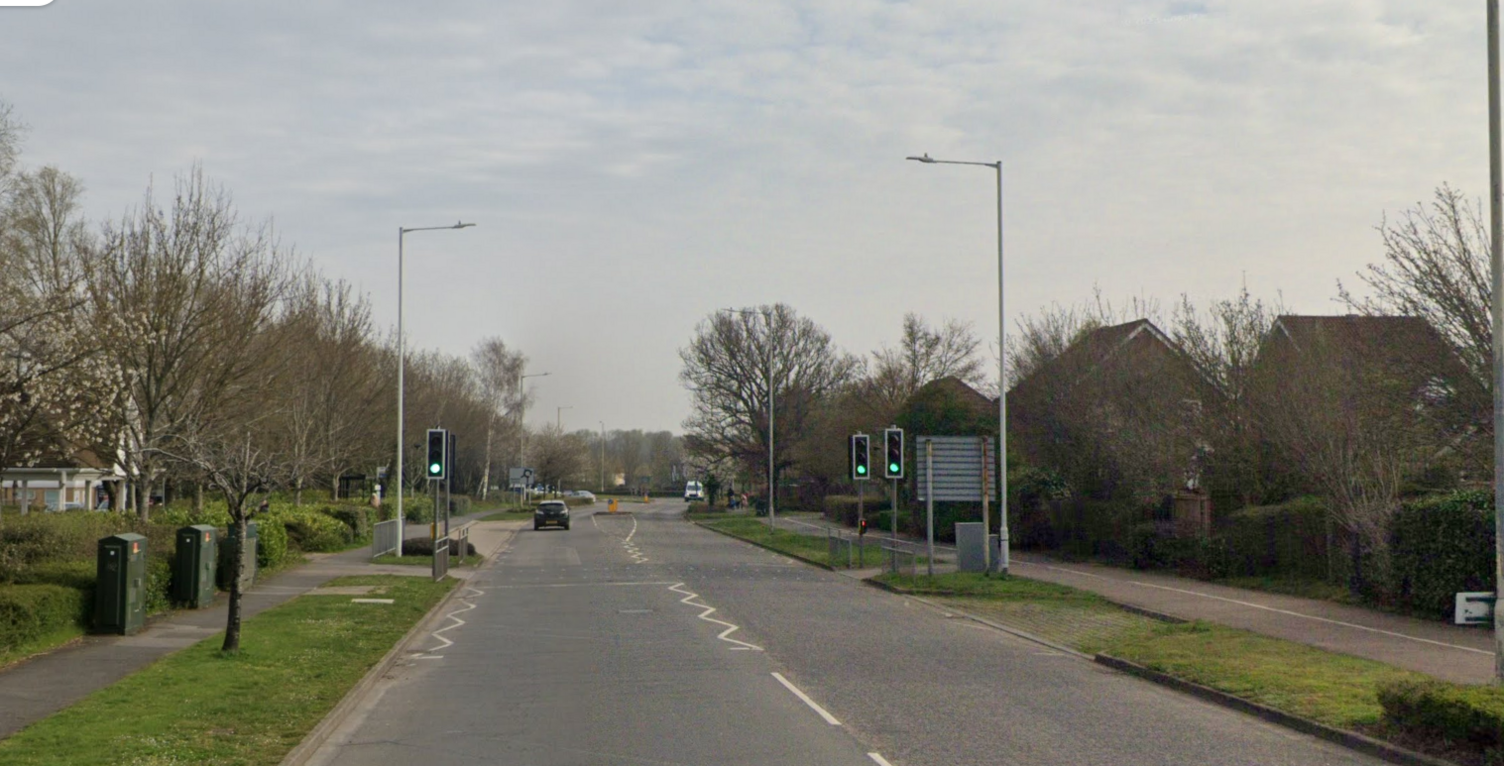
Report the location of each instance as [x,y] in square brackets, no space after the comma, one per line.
[893,468]
[861,469]
[435,468]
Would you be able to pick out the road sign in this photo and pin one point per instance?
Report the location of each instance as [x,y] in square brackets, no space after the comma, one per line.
[959,468]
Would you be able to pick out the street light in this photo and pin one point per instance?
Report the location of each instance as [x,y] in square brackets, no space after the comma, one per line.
[559,417]
[402,363]
[772,490]
[1002,365]
[521,419]
[603,457]
[1496,309]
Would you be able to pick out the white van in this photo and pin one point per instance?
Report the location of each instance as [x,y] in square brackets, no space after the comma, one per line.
[693,491]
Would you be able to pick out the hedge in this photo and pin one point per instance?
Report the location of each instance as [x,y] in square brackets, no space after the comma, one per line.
[1287,539]
[1452,712]
[842,508]
[1440,546]
[312,531]
[423,546]
[28,612]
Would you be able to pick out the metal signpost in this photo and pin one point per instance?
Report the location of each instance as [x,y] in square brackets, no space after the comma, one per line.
[958,468]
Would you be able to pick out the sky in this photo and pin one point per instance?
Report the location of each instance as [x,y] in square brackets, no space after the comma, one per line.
[631,167]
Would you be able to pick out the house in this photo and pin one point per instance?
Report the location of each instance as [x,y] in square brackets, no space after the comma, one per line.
[1390,377]
[59,483]
[1121,413]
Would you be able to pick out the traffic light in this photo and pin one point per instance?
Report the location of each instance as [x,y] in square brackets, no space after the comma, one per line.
[438,453]
[861,527]
[893,466]
[861,458]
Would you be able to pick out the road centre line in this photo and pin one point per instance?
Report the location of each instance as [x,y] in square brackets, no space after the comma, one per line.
[1276,610]
[830,719]
[879,759]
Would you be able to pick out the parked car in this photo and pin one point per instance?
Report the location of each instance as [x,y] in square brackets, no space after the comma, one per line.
[551,512]
[582,494]
[694,491]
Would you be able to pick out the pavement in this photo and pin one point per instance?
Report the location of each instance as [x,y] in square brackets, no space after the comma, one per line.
[1463,654]
[40,686]
[641,639]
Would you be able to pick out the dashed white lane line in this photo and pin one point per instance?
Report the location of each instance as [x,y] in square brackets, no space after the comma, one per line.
[439,634]
[1266,608]
[879,759]
[705,615]
[830,719]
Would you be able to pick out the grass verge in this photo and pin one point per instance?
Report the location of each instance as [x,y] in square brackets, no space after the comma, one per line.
[201,706]
[425,561]
[1334,689]
[811,548]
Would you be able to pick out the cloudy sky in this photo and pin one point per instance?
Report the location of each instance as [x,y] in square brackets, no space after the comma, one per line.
[634,165]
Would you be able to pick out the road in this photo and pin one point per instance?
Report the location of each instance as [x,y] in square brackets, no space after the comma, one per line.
[598,646]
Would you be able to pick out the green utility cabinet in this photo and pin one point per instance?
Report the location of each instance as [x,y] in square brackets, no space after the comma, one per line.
[193,573]
[120,590]
[227,564]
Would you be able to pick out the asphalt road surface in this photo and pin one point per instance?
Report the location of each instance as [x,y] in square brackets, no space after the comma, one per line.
[598,645]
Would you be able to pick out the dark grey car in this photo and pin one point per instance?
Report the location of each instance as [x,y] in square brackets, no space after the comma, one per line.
[553,512]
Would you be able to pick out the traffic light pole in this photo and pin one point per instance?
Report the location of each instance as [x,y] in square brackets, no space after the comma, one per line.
[861,524]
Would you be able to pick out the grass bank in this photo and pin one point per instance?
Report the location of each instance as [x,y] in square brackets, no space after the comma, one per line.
[1334,689]
[812,548]
[201,706]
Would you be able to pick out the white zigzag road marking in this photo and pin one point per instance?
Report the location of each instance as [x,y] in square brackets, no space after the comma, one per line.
[429,654]
[705,615]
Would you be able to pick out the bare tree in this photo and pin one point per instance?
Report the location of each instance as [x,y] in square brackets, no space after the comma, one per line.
[559,457]
[1224,342]
[924,354]
[727,368]
[1044,337]
[175,295]
[1436,266]
[498,372]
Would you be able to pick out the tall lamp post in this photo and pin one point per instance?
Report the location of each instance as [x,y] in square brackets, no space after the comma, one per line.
[603,457]
[559,417]
[1496,266]
[401,364]
[772,490]
[1002,364]
[522,418]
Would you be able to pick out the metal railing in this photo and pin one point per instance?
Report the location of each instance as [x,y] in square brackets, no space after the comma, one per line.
[895,557]
[385,537]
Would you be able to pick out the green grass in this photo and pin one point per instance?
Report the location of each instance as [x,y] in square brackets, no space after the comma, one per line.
[200,706]
[426,561]
[1292,586]
[810,547]
[44,643]
[1335,689]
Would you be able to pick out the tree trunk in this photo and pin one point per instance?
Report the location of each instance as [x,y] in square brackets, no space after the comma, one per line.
[141,493]
[297,492]
[198,499]
[237,568]
[485,474]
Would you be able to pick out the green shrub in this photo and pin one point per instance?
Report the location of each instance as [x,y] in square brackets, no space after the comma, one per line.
[314,532]
[417,546]
[271,548]
[158,582]
[28,612]
[357,518]
[842,508]
[1278,540]
[1434,709]
[1440,546]
[78,574]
